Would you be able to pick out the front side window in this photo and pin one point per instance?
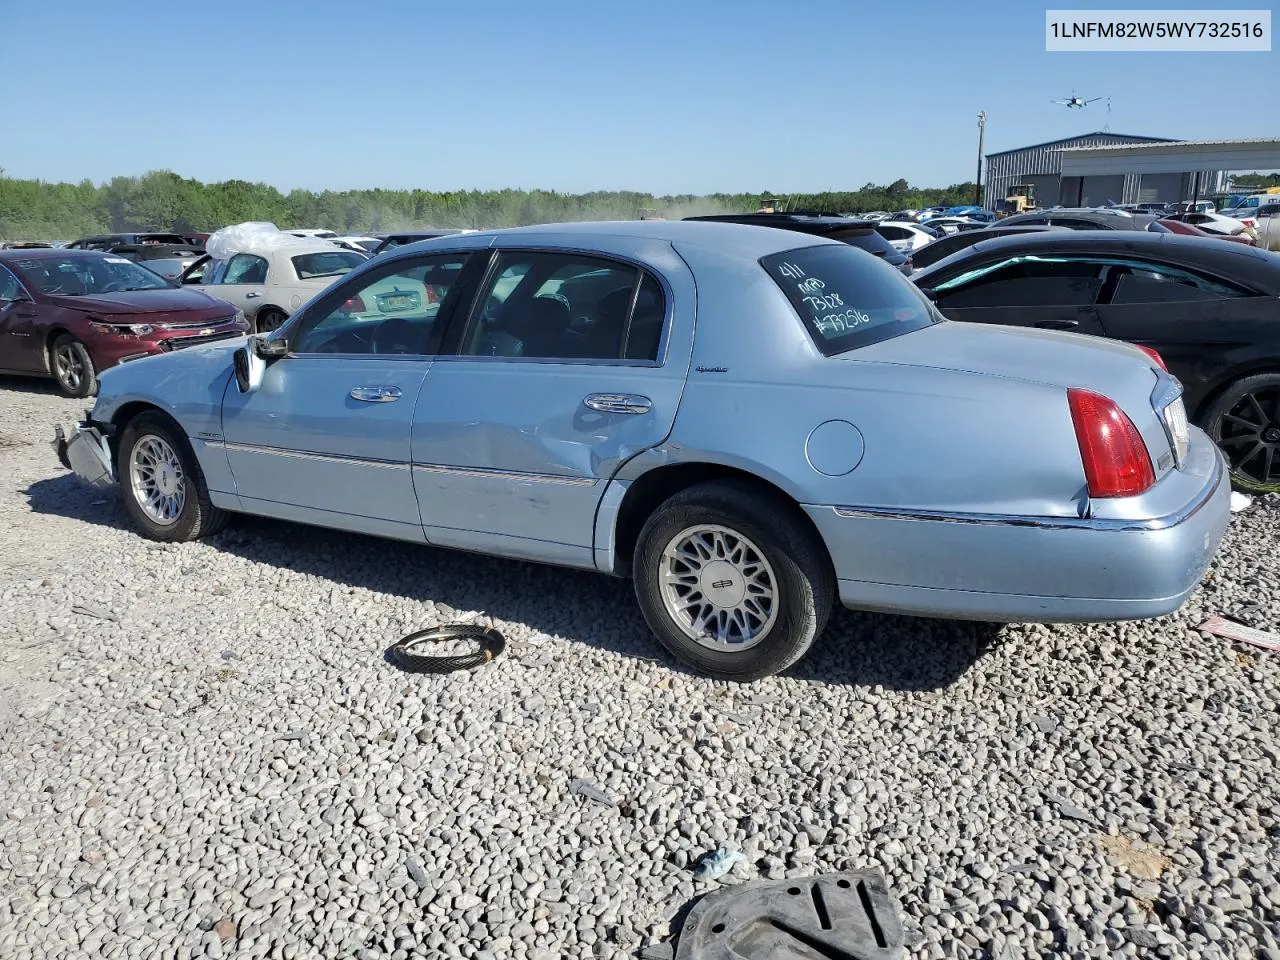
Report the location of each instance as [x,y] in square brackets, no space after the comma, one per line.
[385,313]
[566,306]
[309,266]
[244,268]
[87,275]
[1023,281]
[847,299]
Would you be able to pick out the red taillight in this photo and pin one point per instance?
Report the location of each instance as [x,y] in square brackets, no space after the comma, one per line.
[1116,462]
[353,305]
[1154,355]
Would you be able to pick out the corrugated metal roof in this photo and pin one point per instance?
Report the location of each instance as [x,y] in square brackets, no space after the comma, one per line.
[1184,144]
[1095,133]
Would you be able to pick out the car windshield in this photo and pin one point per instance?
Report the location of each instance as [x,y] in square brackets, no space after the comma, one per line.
[370,244]
[847,299]
[87,275]
[311,265]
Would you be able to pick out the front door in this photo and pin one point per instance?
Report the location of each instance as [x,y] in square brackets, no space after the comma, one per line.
[561,374]
[241,282]
[1026,292]
[326,438]
[21,346]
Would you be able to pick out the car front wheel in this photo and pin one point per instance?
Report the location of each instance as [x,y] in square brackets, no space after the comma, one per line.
[162,483]
[732,581]
[72,367]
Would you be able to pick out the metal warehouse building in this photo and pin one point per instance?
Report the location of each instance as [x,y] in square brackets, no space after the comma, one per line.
[1042,164]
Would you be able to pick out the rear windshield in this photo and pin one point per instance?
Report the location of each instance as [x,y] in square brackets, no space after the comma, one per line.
[868,240]
[335,264]
[847,299]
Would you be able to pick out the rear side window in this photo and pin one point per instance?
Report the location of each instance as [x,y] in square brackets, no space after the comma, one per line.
[847,299]
[868,240]
[1024,282]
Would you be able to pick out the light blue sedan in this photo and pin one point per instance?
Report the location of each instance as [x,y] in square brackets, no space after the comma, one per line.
[751,423]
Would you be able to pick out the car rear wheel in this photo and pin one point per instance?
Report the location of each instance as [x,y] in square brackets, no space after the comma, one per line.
[1244,421]
[72,367]
[162,483]
[732,581]
[268,320]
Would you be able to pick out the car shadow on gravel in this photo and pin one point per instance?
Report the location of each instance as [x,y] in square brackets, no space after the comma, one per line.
[862,649]
[40,385]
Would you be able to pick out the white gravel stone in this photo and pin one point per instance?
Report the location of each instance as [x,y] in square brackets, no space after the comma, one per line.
[205,754]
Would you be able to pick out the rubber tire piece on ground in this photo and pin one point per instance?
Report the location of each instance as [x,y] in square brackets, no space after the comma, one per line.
[806,582]
[199,517]
[268,319]
[89,383]
[1221,406]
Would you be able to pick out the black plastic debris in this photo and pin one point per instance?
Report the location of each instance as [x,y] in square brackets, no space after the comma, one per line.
[415,654]
[836,916]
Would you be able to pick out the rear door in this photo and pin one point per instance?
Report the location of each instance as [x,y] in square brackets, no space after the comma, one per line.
[241,282]
[568,365]
[1200,324]
[1021,291]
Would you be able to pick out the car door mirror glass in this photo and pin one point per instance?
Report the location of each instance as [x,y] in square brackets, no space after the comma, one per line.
[249,368]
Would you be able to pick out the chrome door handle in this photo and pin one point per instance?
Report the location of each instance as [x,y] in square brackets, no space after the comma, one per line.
[376,394]
[251,294]
[618,403]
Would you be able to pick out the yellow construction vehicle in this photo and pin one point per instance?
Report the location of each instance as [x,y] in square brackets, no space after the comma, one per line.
[1020,198]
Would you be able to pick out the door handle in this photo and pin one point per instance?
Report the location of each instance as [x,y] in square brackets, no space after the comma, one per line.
[618,403]
[1058,324]
[251,294]
[376,394]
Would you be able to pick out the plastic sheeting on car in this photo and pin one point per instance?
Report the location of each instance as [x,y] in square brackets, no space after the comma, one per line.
[252,236]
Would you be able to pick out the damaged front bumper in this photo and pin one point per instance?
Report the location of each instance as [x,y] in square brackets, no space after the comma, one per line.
[84,449]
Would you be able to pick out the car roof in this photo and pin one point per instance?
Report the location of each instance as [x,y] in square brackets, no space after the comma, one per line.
[1209,251]
[733,237]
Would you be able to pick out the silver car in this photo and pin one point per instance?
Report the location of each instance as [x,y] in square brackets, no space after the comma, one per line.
[751,423]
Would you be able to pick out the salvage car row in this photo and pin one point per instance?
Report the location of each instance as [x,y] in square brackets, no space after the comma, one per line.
[821,434]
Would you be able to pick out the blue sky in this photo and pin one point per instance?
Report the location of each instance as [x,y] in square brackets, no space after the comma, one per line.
[670,97]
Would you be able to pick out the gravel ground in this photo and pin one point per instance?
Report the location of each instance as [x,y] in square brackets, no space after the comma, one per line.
[205,753]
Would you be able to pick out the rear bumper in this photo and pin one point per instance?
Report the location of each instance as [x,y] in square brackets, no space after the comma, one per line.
[83,449]
[1038,569]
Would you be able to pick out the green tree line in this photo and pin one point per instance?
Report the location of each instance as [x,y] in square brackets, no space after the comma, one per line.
[163,201]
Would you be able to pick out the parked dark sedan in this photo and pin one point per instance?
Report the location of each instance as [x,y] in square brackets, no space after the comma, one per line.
[70,314]
[859,233]
[1210,309]
[393,240]
[1086,218]
[928,255]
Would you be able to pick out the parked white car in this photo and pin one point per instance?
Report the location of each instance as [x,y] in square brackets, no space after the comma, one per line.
[1221,224]
[271,281]
[312,232]
[1267,221]
[904,235]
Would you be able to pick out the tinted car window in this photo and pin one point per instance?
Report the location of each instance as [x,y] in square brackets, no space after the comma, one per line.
[335,264]
[1023,282]
[554,306]
[385,313]
[847,300]
[1157,283]
[645,333]
[870,241]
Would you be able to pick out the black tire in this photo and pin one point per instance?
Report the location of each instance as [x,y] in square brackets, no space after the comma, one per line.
[803,581]
[1244,421]
[268,319]
[72,367]
[197,517]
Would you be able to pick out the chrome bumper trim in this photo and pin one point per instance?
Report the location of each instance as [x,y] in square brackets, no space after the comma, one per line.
[1178,517]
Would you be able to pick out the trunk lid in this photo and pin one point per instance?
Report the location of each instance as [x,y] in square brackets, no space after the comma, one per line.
[1117,370]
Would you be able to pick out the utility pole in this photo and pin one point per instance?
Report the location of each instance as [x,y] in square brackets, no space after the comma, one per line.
[982,130]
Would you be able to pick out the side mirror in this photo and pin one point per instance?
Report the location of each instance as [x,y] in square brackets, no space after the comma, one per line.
[249,368]
[250,361]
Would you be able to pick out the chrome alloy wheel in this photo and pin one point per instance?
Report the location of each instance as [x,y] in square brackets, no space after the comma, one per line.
[718,588]
[155,475]
[68,367]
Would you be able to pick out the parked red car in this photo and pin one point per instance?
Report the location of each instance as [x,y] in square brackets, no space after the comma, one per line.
[1191,230]
[70,314]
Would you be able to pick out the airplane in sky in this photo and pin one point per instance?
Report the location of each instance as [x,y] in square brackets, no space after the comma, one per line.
[1075,102]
